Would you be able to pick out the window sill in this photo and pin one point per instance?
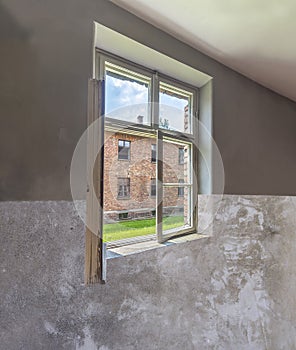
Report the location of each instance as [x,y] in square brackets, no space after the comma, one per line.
[150,244]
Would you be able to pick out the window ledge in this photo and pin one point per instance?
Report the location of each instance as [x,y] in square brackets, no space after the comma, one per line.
[148,245]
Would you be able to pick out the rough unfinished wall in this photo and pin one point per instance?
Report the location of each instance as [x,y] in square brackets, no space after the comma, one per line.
[233,290]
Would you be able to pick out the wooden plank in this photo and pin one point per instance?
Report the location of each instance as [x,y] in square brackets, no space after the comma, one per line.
[94,199]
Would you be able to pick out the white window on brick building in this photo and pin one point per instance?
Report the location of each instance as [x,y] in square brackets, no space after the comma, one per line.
[181,155]
[181,188]
[153,153]
[123,188]
[153,188]
[124,149]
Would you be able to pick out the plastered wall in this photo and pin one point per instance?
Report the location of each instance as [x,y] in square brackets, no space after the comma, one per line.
[46,60]
[232,290]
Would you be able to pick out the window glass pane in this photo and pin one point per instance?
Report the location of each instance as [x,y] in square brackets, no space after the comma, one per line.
[176,162]
[129,203]
[124,149]
[126,94]
[176,209]
[175,108]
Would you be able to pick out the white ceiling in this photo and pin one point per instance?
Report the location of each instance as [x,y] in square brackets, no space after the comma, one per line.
[255,37]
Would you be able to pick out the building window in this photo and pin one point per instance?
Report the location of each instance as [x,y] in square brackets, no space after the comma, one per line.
[123,186]
[123,216]
[153,188]
[181,189]
[124,149]
[153,153]
[181,155]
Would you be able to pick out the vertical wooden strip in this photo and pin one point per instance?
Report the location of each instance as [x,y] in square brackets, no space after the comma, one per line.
[94,201]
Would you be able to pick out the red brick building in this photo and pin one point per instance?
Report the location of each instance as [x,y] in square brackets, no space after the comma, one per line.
[130,177]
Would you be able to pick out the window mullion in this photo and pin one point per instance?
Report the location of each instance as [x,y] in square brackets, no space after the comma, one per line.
[155,101]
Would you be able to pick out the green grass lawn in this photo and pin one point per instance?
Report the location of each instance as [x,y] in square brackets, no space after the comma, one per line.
[134,228]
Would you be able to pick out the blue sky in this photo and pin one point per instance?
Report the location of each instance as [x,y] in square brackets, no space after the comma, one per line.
[121,93]
[125,93]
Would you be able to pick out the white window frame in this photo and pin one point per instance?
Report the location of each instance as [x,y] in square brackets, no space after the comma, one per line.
[160,134]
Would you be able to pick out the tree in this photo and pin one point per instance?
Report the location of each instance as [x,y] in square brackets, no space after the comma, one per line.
[164,123]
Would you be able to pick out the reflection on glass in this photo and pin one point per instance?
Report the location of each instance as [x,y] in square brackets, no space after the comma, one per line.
[126,94]
[175,108]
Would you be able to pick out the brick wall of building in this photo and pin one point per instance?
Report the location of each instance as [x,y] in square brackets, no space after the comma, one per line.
[139,169]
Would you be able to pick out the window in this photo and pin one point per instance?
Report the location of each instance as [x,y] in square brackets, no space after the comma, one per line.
[181,155]
[153,153]
[154,115]
[153,188]
[181,189]
[108,96]
[123,188]
[122,216]
[124,149]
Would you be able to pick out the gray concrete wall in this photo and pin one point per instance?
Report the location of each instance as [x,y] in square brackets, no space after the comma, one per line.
[233,290]
[46,59]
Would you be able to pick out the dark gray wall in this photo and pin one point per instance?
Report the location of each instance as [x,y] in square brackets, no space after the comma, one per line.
[46,59]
